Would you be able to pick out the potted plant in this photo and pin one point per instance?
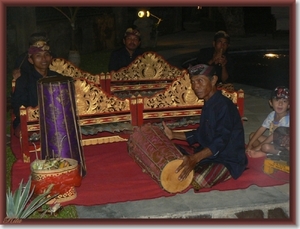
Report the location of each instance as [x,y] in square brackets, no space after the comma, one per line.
[21,204]
[71,15]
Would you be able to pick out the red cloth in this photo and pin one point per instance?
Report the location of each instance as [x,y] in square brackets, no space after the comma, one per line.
[112,176]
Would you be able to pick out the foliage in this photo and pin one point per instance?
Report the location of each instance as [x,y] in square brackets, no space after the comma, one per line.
[66,212]
[10,159]
[20,205]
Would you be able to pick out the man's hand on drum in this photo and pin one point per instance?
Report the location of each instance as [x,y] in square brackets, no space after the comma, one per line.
[167,131]
[188,164]
[190,161]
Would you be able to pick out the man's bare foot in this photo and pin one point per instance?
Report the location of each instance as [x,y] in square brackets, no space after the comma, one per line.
[255,154]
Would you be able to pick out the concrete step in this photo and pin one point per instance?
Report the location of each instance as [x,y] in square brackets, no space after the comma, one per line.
[252,202]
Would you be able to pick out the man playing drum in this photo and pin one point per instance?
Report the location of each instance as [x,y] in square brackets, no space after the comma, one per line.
[217,146]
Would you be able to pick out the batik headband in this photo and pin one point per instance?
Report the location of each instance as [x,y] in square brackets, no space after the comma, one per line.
[202,69]
[131,31]
[38,46]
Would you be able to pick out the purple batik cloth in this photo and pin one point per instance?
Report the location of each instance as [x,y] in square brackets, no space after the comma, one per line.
[59,129]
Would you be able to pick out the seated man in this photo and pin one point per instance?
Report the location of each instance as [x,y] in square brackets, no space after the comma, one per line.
[124,56]
[217,56]
[22,64]
[25,93]
[217,146]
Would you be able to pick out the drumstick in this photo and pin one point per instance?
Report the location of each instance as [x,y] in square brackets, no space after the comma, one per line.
[22,61]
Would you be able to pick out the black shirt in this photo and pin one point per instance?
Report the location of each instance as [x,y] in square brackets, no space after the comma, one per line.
[25,92]
[206,54]
[221,131]
[121,58]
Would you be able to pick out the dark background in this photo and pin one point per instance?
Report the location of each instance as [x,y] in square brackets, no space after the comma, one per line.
[99,28]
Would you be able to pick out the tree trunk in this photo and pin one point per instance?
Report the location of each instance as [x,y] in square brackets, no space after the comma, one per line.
[234,20]
[24,21]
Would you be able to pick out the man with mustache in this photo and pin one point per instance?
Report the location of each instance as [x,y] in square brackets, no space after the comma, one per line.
[124,56]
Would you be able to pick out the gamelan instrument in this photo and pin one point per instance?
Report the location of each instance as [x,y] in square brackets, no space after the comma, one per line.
[59,128]
[158,156]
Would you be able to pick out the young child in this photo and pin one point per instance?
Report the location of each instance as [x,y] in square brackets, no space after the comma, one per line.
[259,144]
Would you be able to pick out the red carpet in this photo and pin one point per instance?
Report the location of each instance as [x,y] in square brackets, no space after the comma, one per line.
[112,176]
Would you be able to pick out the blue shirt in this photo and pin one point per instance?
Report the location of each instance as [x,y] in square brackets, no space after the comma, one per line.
[221,130]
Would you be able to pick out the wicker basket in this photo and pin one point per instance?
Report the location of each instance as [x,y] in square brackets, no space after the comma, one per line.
[64,180]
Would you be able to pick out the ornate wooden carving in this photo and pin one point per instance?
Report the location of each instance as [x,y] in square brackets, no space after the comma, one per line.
[90,99]
[66,68]
[149,66]
[178,94]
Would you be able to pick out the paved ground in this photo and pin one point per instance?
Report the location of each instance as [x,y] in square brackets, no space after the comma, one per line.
[251,203]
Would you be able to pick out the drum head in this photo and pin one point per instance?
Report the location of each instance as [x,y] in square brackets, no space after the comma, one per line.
[169,179]
[55,79]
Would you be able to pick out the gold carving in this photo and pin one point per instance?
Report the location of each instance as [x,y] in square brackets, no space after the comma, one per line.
[105,119]
[26,159]
[139,100]
[90,99]
[176,114]
[241,93]
[22,110]
[102,140]
[66,68]
[133,101]
[230,95]
[136,87]
[179,94]
[149,66]
[32,114]
[33,127]
[102,76]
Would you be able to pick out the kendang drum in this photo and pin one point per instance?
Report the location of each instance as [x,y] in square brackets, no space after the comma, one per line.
[59,128]
[158,156]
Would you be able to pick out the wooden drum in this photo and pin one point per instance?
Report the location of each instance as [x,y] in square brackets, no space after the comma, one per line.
[158,156]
